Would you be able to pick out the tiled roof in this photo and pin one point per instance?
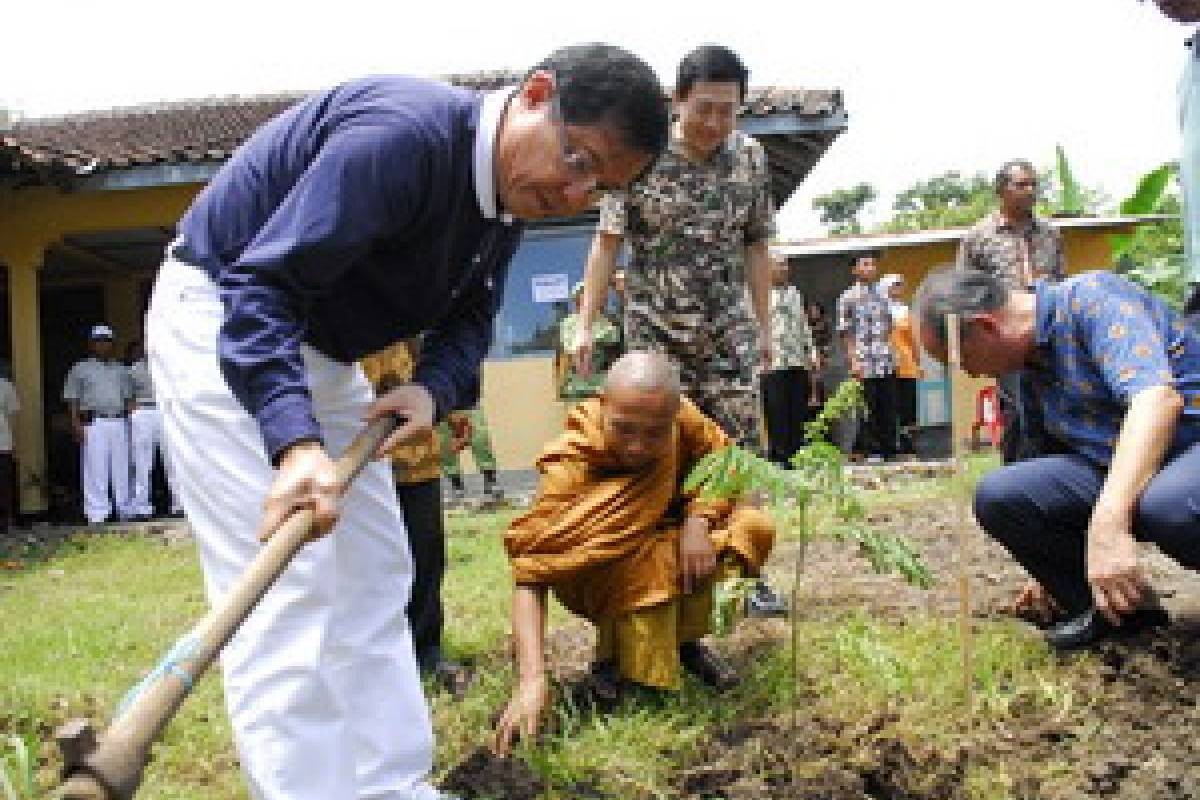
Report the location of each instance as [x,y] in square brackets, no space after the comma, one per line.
[209,130]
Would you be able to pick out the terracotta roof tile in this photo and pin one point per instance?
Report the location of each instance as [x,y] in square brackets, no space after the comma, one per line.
[210,130]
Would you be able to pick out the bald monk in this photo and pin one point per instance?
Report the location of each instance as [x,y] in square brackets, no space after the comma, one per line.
[614,536]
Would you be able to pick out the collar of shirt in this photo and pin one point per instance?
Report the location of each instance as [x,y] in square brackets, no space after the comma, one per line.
[485,148]
[1003,223]
[1046,304]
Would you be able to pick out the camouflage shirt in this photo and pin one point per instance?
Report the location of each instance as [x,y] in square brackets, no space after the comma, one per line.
[688,225]
[1021,253]
[866,315]
[791,337]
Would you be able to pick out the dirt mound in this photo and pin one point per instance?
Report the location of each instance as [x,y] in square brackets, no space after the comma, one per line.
[483,776]
[821,759]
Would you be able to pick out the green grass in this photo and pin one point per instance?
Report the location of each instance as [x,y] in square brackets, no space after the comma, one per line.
[81,625]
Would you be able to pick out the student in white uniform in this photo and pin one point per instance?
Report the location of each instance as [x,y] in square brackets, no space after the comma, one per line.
[99,395]
[145,429]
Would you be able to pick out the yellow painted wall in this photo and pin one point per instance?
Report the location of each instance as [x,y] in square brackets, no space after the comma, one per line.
[521,402]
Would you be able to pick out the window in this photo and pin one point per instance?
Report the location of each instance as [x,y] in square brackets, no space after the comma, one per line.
[549,262]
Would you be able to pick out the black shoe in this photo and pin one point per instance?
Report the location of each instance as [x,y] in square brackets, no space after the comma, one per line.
[599,691]
[707,666]
[1091,627]
[453,677]
[764,602]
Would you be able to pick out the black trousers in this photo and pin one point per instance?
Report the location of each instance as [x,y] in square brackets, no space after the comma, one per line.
[906,412]
[422,506]
[785,405]
[879,434]
[1039,510]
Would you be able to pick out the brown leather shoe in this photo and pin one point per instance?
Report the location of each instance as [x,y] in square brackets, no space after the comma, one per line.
[708,666]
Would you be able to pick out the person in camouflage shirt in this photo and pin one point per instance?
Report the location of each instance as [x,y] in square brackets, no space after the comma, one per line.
[1013,241]
[1022,248]
[698,277]
[864,322]
[788,387]
[699,274]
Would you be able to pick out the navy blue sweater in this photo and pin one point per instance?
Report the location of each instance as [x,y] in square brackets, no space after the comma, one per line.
[348,222]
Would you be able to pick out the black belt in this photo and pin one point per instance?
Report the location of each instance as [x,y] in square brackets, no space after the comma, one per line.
[100,415]
[147,404]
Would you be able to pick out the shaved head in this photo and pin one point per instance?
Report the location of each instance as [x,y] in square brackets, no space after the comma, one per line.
[639,402]
[645,372]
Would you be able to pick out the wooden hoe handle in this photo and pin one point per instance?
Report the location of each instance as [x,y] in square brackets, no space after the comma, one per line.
[112,769]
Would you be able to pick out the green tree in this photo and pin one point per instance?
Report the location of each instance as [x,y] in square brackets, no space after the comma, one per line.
[948,200]
[841,207]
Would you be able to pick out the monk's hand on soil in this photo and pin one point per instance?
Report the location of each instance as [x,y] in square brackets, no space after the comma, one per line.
[306,479]
[414,405]
[1033,599]
[1112,563]
[697,557]
[523,715]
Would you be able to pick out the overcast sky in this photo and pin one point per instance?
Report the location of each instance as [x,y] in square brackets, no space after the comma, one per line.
[930,85]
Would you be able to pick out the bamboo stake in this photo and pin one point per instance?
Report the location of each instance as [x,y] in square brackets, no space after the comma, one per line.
[954,364]
[794,618]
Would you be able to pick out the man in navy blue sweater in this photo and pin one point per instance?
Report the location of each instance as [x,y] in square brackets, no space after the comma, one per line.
[378,210]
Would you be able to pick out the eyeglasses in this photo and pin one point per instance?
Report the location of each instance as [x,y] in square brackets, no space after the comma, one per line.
[582,165]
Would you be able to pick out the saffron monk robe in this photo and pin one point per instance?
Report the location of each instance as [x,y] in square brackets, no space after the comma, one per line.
[614,536]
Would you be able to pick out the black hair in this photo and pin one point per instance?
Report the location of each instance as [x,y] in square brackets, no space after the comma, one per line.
[602,84]
[1004,174]
[711,63]
[854,259]
[948,290]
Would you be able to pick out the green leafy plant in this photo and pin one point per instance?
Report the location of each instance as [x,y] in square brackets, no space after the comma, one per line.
[17,781]
[1153,254]
[816,483]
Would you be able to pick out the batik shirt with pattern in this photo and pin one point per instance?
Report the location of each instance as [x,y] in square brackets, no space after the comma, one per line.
[688,225]
[997,246]
[866,315]
[791,337]
[1100,340]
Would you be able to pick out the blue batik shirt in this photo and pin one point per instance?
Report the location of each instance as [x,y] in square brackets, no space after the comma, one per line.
[1100,340]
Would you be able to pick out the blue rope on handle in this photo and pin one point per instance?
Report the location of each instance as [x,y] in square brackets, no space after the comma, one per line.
[171,664]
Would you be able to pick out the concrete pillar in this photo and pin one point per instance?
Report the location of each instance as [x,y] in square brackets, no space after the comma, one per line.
[25,314]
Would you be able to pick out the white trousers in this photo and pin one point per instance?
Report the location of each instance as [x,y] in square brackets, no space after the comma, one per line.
[105,456]
[145,427]
[321,681]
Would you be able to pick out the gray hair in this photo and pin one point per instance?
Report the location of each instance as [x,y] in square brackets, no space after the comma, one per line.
[644,370]
[948,290]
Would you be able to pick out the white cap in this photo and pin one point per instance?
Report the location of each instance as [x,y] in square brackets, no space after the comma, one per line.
[101,332]
[889,280]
